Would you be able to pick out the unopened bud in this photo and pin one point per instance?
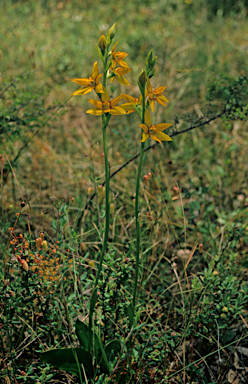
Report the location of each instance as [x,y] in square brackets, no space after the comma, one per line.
[23,204]
[149,175]
[72,201]
[142,81]
[224,309]
[38,242]
[102,43]
[100,189]
[42,236]
[24,265]
[112,32]
[175,191]
[200,248]
[44,245]
[215,272]
[89,190]
[146,178]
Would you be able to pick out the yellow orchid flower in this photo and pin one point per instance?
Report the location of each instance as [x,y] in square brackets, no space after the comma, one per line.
[118,74]
[155,95]
[129,107]
[106,105]
[154,131]
[117,57]
[91,83]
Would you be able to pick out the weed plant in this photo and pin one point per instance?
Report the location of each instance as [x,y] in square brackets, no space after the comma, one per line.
[121,262]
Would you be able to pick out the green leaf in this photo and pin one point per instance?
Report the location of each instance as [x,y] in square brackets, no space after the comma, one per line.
[90,341]
[65,359]
[83,334]
[112,348]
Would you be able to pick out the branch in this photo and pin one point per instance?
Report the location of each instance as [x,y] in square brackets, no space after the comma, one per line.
[147,149]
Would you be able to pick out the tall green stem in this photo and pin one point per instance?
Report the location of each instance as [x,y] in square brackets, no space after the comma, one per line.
[105,121]
[137,209]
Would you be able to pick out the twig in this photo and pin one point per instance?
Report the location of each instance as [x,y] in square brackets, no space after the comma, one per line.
[147,149]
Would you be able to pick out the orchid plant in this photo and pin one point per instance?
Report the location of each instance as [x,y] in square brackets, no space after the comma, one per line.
[114,68]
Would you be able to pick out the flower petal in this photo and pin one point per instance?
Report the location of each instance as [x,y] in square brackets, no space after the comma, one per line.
[105,95]
[117,111]
[84,82]
[158,91]
[115,101]
[145,136]
[155,137]
[148,120]
[162,127]
[96,103]
[95,111]
[163,137]
[152,104]
[128,107]
[95,71]
[83,91]
[144,127]
[129,98]
[122,80]
[122,70]
[99,88]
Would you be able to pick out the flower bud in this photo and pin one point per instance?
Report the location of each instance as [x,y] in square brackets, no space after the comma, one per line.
[200,248]
[42,236]
[38,242]
[23,204]
[175,191]
[24,265]
[146,178]
[44,245]
[142,81]
[89,190]
[100,189]
[72,201]
[102,43]
[224,309]
[149,175]
[112,32]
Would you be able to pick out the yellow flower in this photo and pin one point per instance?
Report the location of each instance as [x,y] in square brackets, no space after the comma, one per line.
[106,105]
[91,83]
[118,74]
[154,131]
[129,107]
[155,95]
[117,57]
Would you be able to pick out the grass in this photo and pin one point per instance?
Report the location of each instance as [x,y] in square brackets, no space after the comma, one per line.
[192,301]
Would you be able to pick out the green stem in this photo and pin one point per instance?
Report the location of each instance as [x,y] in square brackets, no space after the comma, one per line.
[105,121]
[137,209]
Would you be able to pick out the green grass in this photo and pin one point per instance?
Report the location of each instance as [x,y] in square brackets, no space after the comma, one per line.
[192,305]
